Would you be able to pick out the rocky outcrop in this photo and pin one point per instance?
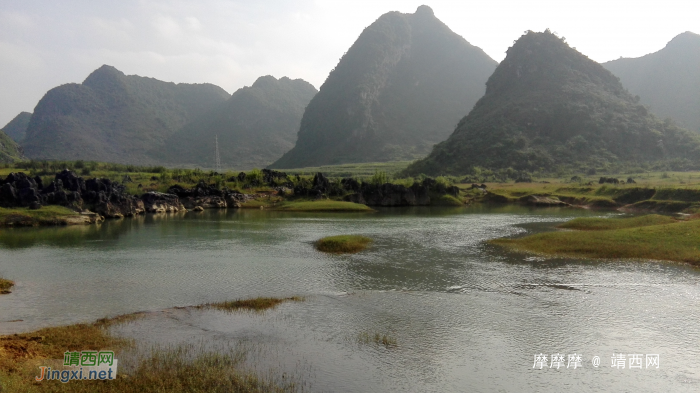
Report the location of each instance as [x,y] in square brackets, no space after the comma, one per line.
[208,196]
[101,196]
[158,202]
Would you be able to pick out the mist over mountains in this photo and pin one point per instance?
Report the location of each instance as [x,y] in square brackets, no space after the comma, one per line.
[547,105]
[399,89]
[254,127]
[668,81]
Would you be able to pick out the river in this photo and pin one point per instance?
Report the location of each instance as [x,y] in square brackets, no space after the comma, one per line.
[466,316]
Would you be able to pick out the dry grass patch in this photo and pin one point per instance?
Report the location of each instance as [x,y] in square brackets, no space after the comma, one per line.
[343,244]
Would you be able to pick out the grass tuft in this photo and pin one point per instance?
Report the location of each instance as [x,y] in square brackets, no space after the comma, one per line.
[376,338]
[256,304]
[343,244]
[5,285]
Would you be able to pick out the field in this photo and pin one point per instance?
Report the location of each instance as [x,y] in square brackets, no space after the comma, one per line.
[646,237]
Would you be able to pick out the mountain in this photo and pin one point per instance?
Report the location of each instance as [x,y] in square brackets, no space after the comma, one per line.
[547,105]
[10,151]
[254,127]
[668,81]
[399,89]
[114,117]
[17,127]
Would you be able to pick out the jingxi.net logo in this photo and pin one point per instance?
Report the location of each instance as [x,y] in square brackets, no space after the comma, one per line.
[85,365]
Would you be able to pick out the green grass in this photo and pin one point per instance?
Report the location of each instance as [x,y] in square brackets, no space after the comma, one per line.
[678,241]
[322,206]
[47,215]
[366,169]
[343,244]
[597,224]
[446,200]
[255,304]
[5,285]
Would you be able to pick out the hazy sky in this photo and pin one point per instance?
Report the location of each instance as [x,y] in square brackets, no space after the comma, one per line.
[230,43]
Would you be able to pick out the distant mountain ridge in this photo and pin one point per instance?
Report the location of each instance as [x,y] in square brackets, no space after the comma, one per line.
[668,81]
[547,105]
[17,127]
[254,127]
[114,117]
[399,89]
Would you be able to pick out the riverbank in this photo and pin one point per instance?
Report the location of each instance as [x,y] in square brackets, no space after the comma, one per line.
[633,198]
[179,369]
[46,215]
[647,237]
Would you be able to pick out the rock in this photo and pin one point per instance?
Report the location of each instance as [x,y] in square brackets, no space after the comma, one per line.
[157,202]
[241,177]
[537,200]
[198,209]
[71,181]
[35,206]
[631,181]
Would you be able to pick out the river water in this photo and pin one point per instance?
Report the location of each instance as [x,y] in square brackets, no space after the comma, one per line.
[466,316]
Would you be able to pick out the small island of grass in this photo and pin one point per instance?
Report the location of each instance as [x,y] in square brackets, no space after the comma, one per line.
[322,206]
[646,237]
[255,304]
[5,286]
[343,244]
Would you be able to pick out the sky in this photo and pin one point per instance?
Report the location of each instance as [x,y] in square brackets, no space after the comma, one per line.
[230,43]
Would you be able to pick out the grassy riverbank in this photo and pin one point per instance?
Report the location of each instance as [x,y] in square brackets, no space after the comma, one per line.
[343,244]
[179,369]
[5,286]
[648,237]
[47,215]
[322,206]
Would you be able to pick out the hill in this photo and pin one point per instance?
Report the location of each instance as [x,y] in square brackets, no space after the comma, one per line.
[254,127]
[400,88]
[17,127]
[547,106]
[10,151]
[114,117]
[668,81]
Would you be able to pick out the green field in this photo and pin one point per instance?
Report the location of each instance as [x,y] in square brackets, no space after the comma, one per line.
[638,238]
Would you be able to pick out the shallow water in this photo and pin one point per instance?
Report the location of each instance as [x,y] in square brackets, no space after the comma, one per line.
[466,316]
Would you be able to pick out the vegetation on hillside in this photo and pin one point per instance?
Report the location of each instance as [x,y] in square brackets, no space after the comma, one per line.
[548,107]
[668,81]
[10,151]
[17,127]
[399,89]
